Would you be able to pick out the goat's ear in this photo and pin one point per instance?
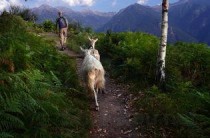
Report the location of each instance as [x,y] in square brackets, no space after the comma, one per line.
[83,50]
[96,39]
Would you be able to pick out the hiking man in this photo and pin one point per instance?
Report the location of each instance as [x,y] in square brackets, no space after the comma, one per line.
[62,26]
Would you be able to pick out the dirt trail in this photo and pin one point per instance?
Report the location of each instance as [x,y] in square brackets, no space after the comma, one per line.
[114,119]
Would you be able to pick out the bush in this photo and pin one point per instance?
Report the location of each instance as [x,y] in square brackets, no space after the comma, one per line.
[189,62]
[48,26]
[132,55]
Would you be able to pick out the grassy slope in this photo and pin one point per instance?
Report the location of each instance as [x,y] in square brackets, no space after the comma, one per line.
[39,92]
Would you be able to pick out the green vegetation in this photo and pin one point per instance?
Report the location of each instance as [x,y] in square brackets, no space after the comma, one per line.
[78,36]
[39,91]
[182,109]
[48,26]
[132,56]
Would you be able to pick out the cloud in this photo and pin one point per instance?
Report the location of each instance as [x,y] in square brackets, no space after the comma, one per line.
[15,2]
[142,1]
[5,4]
[79,2]
[114,2]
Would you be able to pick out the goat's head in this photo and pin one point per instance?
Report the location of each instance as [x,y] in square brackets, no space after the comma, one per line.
[85,51]
[92,42]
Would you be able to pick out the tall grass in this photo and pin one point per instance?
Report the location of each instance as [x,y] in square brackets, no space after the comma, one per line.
[39,91]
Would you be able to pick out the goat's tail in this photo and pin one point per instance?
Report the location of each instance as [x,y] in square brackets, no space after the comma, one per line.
[100,80]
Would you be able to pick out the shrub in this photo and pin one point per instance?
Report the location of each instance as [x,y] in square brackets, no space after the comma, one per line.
[48,26]
[189,62]
[132,55]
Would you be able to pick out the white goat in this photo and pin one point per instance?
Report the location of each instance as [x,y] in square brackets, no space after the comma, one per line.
[94,51]
[93,74]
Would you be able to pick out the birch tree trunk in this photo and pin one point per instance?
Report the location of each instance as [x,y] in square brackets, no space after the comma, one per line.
[160,72]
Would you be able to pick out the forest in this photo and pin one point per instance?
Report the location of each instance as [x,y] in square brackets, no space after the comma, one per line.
[40,95]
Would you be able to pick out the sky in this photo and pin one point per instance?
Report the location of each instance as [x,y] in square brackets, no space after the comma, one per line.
[96,5]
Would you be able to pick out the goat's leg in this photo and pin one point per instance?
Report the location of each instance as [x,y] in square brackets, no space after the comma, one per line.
[103,91]
[97,90]
[96,99]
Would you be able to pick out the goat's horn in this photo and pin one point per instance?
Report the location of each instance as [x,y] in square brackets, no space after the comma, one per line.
[83,50]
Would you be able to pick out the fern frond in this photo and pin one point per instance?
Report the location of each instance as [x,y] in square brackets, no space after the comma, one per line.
[187,121]
[8,121]
[6,135]
[55,79]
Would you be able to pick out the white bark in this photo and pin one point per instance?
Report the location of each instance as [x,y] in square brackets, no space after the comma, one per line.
[163,43]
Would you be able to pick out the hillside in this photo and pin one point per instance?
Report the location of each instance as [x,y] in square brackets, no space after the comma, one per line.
[192,16]
[37,85]
[134,18]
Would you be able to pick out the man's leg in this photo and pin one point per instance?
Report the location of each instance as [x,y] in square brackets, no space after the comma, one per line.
[61,39]
[65,35]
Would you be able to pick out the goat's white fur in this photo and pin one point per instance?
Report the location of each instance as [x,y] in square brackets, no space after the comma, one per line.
[93,74]
[94,51]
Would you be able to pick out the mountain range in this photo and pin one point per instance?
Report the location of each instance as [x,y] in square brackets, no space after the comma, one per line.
[189,20]
[86,18]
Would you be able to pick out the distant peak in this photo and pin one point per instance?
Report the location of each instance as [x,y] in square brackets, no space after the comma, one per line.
[45,5]
[182,1]
[42,7]
[205,2]
[90,12]
[137,6]
[87,11]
